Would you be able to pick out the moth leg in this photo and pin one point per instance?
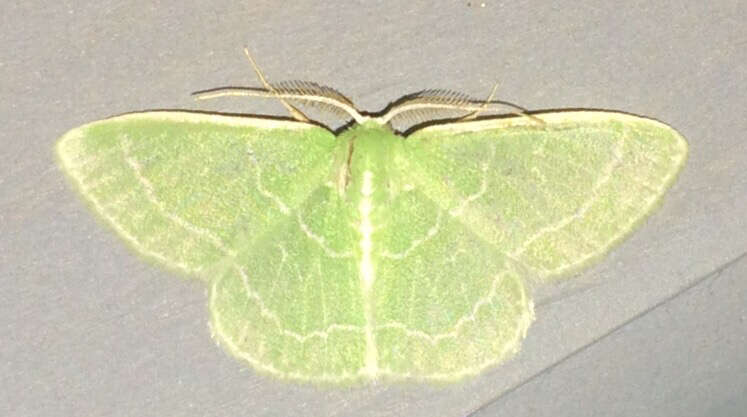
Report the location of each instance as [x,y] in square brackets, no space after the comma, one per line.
[297,114]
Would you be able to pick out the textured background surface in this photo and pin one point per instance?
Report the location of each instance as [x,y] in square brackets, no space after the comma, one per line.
[657,328]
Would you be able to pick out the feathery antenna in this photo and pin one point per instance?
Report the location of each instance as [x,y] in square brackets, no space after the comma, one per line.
[301,91]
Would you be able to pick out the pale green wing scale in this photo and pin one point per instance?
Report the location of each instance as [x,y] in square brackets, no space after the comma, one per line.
[553,195]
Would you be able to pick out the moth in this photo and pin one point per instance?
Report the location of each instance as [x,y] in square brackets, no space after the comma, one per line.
[368,253]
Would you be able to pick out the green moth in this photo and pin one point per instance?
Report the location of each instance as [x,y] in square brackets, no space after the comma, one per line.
[368,254]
